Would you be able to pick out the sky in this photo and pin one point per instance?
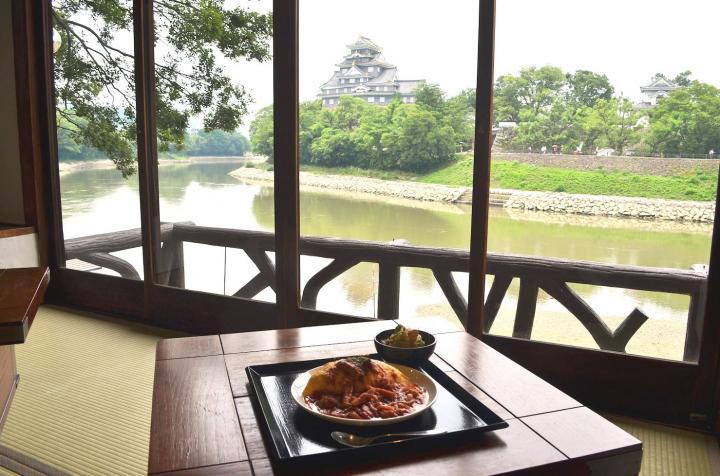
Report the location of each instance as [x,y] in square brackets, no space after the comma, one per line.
[628,40]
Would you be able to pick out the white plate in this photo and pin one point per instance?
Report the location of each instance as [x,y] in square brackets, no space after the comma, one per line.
[415,376]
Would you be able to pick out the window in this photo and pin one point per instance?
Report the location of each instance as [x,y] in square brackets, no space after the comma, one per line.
[137,272]
[369,289]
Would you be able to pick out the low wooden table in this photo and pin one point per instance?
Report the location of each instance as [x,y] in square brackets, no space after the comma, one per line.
[203,422]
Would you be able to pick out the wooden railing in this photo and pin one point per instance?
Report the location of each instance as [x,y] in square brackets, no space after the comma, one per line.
[549,274]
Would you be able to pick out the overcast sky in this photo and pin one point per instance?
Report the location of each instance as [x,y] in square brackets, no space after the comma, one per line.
[629,40]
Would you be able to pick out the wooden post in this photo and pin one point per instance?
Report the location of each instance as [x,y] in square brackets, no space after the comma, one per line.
[525,313]
[481,167]
[389,291]
[177,272]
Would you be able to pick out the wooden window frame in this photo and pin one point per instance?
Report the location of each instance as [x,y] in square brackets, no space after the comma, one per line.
[676,389]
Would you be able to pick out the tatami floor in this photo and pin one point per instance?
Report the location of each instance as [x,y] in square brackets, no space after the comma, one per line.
[83,405]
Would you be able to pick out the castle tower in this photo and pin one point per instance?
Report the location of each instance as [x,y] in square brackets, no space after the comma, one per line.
[364,73]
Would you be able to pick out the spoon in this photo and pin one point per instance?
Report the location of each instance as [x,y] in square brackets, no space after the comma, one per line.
[357,441]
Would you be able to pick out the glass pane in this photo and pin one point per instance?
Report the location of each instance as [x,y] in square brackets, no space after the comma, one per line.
[386,135]
[604,174]
[213,73]
[95,110]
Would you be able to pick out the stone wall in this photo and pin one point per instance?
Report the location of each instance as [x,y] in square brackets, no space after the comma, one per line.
[349,183]
[551,202]
[642,165]
[643,208]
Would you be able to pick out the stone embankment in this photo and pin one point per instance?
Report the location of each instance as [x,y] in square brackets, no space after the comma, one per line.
[350,183]
[551,202]
[630,207]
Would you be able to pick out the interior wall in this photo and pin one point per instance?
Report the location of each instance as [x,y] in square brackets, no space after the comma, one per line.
[11,194]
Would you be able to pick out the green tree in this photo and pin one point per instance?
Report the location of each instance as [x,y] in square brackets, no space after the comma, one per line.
[309,129]
[216,143]
[586,88]
[416,141]
[430,97]
[618,124]
[94,70]
[459,113]
[534,90]
[687,121]
[261,133]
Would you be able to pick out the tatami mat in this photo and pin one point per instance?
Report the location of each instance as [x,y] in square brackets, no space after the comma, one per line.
[83,405]
[670,451]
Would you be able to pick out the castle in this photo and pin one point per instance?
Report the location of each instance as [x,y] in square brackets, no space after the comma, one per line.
[364,73]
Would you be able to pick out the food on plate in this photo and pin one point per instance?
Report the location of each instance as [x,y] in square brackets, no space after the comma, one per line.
[362,388]
[405,337]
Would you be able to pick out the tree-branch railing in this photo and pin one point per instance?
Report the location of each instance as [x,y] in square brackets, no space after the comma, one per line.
[534,274]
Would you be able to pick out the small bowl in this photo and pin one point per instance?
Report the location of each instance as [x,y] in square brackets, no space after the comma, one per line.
[405,355]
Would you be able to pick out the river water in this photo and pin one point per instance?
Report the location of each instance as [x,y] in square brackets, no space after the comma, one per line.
[97,201]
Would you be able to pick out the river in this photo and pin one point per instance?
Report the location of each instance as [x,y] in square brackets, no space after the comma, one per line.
[97,201]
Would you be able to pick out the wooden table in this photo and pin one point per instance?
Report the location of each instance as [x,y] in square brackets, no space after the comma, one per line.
[203,422]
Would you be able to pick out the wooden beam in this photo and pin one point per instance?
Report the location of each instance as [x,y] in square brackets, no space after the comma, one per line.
[27,85]
[42,14]
[481,166]
[146,109]
[286,159]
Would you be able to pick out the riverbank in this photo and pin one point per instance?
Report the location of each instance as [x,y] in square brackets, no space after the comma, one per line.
[696,185]
[74,166]
[552,202]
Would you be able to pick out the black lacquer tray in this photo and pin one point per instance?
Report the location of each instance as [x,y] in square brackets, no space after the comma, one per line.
[299,441]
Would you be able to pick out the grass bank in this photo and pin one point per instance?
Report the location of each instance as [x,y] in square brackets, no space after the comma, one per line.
[700,186]
[518,176]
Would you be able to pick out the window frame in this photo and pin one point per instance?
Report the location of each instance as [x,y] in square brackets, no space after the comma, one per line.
[677,389]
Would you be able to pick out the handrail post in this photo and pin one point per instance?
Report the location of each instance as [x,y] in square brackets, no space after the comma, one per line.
[389,291]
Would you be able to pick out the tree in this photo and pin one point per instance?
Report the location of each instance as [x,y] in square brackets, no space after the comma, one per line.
[535,89]
[586,88]
[687,121]
[94,70]
[459,113]
[430,97]
[416,141]
[216,143]
[261,133]
[618,124]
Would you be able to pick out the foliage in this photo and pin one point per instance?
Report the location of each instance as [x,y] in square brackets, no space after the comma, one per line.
[528,94]
[519,176]
[261,133]
[94,70]
[408,137]
[575,111]
[687,121]
[216,143]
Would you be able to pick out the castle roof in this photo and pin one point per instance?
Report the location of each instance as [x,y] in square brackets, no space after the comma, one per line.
[362,43]
[387,76]
[660,84]
[409,85]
